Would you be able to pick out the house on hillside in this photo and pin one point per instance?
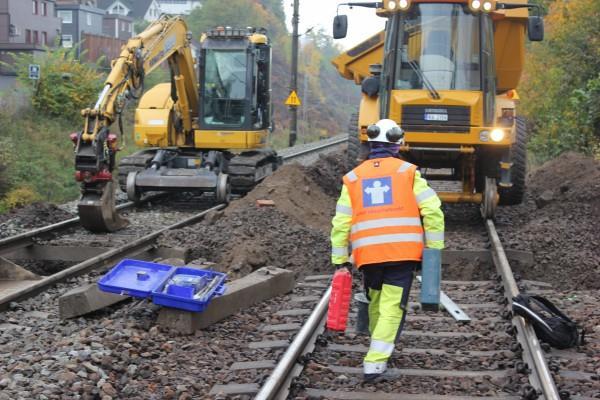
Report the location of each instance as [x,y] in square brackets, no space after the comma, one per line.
[147,10]
[26,26]
[178,7]
[78,18]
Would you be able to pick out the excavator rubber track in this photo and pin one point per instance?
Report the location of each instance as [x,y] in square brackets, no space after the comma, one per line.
[97,210]
[247,169]
[134,163]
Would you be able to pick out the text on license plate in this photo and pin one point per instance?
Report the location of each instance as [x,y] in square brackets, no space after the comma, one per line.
[436,117]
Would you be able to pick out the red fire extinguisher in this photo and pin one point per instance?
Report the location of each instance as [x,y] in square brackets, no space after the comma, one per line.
[339,302]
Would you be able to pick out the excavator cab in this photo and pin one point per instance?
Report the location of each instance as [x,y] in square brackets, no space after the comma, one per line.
[234,79]
[447,73]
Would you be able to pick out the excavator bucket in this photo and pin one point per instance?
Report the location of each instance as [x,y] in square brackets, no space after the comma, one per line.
[97,211]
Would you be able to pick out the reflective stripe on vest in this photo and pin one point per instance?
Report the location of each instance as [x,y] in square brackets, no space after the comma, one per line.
[386,221]
[434,236]
[339,251]
[352,176]
[425,195]
[385,239]
[405,167]
[341,209]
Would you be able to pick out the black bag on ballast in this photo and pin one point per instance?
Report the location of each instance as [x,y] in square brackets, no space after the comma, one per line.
[550,324]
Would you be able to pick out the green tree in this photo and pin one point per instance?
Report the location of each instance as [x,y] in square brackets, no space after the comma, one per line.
[238,14]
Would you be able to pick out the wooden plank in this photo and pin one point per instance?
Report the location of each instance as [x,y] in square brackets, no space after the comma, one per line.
[304,299]
[317,278]
[434,334]
[294,313]
[577,375]
[313,285]
[281,327]
[363,349]
[234,389]
[244,365]
[438,373]
[354,395]
[269,344]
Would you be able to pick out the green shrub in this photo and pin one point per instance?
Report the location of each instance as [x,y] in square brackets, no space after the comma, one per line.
[18,197]
[65,86]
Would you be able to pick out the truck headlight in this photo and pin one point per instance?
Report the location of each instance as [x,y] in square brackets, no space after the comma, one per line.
[403,4]
[489,5]
[475,5]
[497,135]
[391,5]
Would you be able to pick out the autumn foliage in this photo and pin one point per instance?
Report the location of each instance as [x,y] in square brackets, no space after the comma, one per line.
[561,86]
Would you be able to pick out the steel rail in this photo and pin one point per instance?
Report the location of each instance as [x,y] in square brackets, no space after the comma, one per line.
[331,142]
[280,374]
[540,376]
[12,243]
[102,260]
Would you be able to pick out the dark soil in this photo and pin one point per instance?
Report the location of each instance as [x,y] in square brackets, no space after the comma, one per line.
[295,195]
[558,222]
[32,216]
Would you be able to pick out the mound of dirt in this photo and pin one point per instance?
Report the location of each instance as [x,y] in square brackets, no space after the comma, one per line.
[558,222]
[295,195]
[293,233]
[250,237]
[328,171]
[31,216]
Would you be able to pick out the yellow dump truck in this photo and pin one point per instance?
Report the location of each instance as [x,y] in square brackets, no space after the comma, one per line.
[447,72]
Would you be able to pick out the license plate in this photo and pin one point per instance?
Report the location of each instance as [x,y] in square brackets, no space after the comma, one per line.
[436,117]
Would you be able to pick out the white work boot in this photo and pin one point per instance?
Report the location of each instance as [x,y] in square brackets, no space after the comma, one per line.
[373,372]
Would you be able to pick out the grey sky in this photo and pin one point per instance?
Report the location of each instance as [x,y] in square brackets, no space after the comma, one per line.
[362,22]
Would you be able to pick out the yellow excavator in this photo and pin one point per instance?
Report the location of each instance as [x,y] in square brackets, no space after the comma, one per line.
[447,72]
[204,132]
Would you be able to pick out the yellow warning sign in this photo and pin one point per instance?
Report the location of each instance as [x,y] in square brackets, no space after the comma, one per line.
[293,100]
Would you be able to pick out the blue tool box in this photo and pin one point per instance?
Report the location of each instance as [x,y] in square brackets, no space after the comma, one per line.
[165,284]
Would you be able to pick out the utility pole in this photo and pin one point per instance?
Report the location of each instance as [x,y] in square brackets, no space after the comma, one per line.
[294,80]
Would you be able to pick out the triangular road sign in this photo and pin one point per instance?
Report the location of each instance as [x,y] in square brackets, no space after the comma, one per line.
[293,100]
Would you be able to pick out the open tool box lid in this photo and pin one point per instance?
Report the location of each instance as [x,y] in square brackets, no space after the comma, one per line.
[143,279]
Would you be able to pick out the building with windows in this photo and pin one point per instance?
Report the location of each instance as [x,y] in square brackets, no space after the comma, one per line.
[26,26]
[78,19]
[178,7]
[28,22]
[118,26]
[147,10]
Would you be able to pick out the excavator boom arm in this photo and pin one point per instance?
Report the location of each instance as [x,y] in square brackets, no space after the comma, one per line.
[167,39]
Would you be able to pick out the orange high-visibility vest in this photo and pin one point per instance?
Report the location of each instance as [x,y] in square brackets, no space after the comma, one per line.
[386,223]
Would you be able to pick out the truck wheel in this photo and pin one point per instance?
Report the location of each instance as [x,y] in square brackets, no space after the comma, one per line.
[357,151]
[514,195]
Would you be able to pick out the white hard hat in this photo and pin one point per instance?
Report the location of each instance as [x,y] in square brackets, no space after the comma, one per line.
[385,131]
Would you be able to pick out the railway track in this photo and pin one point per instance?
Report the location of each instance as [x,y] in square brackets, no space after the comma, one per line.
[495,355]
[86,251]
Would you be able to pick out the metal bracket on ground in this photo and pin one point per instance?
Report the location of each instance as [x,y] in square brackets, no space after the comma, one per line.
[453,309]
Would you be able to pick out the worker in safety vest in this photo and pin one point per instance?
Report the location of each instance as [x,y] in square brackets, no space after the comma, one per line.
[389,213]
